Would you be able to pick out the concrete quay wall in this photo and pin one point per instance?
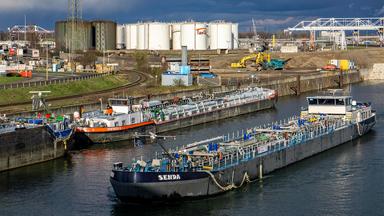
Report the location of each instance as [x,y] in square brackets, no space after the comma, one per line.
[284,86]
[28,146]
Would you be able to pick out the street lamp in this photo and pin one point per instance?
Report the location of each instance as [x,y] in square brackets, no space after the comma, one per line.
[46,66]
[156,80]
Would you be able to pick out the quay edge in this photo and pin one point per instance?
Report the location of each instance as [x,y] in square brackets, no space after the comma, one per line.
[29,146]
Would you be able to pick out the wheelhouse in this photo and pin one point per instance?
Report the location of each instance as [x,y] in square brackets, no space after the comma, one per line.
[121,105]
[337,105]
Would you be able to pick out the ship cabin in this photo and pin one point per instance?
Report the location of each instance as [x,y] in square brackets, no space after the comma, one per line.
[332,105]
[121,105]
[119,112]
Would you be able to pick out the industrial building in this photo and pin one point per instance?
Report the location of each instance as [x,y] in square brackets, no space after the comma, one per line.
[178,73]
[85,35]
[172,36]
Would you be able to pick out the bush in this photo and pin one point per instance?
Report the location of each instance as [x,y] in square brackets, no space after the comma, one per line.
[141,61]
[178,82]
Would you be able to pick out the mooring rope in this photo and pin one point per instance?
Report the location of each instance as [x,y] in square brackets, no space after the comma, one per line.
[232,185]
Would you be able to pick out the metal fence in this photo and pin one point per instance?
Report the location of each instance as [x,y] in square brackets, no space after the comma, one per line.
[53,81]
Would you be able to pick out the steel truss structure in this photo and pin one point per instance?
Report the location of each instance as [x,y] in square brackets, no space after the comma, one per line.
[340,24]
[29,29]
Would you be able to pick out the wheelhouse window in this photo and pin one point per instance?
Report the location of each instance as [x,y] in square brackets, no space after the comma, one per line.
[340,101]
[348,101]
[326,101]
[312,101]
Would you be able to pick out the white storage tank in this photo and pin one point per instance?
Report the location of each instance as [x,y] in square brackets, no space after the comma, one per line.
[235,35]
[142,36]
[194,36]
[127,33]
[220,35]
[176,36]
[158,36]
[201,38]
[131,36]
[120,37]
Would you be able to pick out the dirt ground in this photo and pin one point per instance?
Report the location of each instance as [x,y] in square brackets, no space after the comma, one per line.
[363,57]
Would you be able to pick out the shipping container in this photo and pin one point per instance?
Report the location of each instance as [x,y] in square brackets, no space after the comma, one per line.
[344,65]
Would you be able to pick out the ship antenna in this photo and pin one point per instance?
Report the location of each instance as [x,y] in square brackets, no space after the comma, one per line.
[155,137]
[167,152]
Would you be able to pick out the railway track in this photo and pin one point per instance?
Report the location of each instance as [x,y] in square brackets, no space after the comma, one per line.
[141,78]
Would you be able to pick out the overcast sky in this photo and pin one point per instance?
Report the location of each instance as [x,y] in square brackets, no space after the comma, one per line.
[269,15]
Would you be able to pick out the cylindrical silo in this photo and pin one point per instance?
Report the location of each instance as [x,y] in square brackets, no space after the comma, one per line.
[176,36]
[131,36]
[194,36]
[235,35]
[220,35]
[188,35]
[201,37]
[158,36]
[104,35]
[120,37]
[73,35]
[127,33]
[61,35]
[142,38]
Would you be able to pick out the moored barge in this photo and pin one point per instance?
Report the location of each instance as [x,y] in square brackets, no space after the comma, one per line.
[124,120]
[33,140]
[227,162]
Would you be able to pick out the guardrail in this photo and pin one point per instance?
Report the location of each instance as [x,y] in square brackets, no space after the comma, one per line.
[53,81]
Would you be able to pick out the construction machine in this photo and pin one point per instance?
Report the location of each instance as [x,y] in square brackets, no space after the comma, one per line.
[259,57]
[262,61]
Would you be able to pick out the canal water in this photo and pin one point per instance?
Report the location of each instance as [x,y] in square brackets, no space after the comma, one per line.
[347,180]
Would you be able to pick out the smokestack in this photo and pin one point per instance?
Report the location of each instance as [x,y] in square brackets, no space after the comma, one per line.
[184,56]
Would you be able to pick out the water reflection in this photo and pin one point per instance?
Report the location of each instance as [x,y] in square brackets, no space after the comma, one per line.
[343,181]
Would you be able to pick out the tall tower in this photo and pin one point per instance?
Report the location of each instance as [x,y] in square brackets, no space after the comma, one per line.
[74,10]
[75,30]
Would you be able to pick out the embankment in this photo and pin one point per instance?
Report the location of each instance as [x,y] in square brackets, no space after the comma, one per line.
[284,86]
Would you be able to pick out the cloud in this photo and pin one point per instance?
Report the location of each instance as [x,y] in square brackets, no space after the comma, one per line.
[263,22]
[21,5]
[62,5]
[274,15]
[380,11]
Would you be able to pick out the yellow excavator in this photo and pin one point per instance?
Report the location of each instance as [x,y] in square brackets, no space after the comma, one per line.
[260,59]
